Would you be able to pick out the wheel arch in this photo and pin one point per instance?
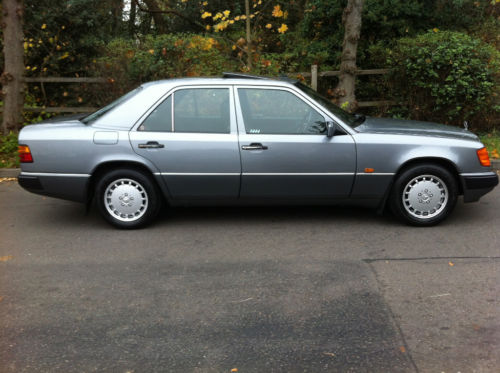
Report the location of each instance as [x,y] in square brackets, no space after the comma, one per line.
[443,162]
[107,166]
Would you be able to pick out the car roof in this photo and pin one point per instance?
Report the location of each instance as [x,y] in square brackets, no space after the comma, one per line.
[227,78]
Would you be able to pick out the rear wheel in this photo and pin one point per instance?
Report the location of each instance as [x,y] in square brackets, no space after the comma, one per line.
[127,198]
[424,195]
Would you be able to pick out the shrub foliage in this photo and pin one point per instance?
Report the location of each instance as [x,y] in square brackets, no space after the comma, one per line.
[447,77]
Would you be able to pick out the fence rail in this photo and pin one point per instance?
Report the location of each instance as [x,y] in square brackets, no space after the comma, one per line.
[58,79]
[314,74]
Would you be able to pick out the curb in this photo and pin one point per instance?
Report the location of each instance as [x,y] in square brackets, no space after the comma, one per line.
[13,172]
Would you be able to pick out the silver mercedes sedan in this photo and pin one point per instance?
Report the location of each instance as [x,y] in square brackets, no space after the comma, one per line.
[244,139]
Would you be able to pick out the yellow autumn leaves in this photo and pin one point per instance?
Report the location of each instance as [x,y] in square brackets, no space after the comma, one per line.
[223,19]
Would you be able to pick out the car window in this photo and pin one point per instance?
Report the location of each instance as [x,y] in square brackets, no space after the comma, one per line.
[273,111]
[160,119]
[202,110]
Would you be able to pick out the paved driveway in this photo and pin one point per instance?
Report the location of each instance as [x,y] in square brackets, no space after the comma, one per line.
[253,289]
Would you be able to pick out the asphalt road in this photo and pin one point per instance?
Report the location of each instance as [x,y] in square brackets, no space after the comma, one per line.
[309,289]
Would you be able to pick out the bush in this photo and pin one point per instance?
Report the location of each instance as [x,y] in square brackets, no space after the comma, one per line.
[8,150]
[162,57]
[447,77]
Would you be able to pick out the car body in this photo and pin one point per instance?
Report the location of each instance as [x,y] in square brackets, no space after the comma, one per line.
[248,140]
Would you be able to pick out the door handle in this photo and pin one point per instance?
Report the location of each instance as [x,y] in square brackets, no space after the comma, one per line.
[151,145]
[254,146]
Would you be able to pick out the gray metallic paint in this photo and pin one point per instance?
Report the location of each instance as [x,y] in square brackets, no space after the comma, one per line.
[196,168]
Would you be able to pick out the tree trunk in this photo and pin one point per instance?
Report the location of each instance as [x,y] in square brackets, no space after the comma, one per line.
[157,15]
[12,76]
[351,18]
[131,21]
[249,35]
[117,14]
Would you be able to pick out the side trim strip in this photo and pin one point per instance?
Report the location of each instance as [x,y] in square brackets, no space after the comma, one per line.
[298,174]
[376,173]
[254,174]
[478,174]
[53,174]
[198,173]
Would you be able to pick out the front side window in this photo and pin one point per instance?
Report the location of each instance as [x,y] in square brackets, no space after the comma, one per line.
[196,110]
[273,111]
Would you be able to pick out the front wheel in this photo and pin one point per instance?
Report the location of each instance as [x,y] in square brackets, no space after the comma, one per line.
[424,195]
[127,198]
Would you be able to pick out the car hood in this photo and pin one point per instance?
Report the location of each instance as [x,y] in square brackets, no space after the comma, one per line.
[413,127]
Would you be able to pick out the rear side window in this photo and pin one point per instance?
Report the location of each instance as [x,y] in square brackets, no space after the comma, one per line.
[274,111]
[160,120]
[195,110]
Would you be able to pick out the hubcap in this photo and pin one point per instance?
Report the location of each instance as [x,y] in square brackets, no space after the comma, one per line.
[425,196]
[126,199]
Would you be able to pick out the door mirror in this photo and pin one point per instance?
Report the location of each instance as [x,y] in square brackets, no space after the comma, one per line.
[330,129]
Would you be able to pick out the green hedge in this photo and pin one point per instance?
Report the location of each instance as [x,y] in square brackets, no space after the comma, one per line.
[447,77]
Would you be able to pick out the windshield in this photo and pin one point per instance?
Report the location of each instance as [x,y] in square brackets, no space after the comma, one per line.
[99,113]
[349,119]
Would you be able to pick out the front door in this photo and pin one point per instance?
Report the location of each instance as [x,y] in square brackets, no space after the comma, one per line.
[192,139]
[285,152]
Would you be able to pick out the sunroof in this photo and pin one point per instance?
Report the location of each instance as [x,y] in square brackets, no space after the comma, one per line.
[229,75]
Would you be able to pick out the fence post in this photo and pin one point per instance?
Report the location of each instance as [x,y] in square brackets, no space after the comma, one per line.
[314,77]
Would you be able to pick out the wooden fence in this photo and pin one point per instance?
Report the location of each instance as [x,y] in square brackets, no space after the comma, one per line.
[314,75]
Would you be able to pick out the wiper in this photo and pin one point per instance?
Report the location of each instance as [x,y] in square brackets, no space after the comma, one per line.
[359,118]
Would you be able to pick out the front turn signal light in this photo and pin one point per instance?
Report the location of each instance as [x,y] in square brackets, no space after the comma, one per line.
[25,154]
[484,158]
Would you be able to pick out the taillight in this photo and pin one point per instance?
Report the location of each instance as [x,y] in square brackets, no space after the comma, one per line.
[484,159]
[25,154]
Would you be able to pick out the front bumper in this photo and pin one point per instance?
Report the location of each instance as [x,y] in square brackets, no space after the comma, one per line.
[477,185]
[71,187]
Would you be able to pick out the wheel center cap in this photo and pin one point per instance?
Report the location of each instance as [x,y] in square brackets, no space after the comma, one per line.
[425,196]
[126,200]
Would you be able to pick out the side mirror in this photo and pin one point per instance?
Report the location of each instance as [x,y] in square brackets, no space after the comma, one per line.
[330,129]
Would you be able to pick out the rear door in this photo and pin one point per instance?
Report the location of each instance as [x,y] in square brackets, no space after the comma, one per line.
[191,137]
[285,152]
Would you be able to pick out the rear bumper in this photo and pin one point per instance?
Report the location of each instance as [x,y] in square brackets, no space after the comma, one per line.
[477,185]
[72,187]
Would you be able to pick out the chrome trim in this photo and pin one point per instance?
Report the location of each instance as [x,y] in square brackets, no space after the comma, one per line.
[254,174]
[298,174]
[478,174]
[376,173]
[197,173]
[53,174]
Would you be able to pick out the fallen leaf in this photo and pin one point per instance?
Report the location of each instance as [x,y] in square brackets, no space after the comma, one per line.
[402,349]
[5,258]
[234,370]
[451,264]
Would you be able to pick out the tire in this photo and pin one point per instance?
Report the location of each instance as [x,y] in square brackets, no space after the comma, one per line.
[424,195]
[127,198]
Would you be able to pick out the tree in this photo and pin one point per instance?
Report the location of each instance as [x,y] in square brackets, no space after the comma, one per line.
[12,76]
[351,19]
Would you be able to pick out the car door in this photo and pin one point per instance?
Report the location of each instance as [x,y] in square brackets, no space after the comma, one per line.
[285,152]
[192,139]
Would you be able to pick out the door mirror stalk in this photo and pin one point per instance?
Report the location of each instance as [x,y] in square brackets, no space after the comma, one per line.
[330,129]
